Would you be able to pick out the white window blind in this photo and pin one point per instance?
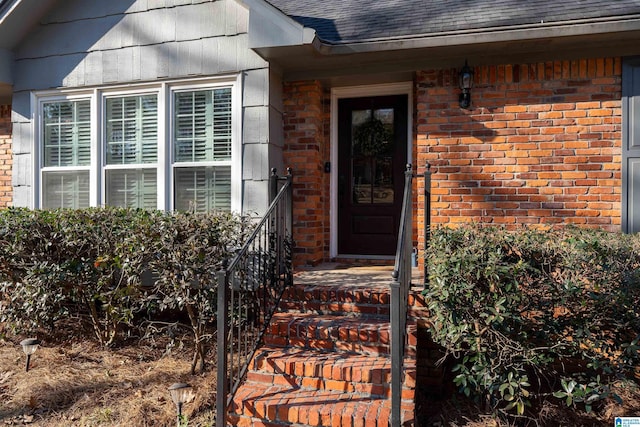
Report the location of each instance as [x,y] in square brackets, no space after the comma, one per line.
[66,154]
[131,140]
[203,126]
[202,135]
[132,130]
[132,188]
[203,189]
[67,133]
[65,190]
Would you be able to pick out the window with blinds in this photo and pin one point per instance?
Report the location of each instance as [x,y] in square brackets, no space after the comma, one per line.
[65,190]
[159,146]
[202,149]
[66,154]
[202,189]
[131,151]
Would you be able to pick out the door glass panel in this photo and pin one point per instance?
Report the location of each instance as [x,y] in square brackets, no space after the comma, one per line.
[372,156]
[383,183]
[362,174]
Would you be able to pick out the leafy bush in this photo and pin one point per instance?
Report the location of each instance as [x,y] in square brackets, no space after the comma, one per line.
[552,309]
[90,263]
[187,249]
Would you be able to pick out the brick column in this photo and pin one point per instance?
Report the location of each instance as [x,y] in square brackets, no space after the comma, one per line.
[305,152]
[6,157]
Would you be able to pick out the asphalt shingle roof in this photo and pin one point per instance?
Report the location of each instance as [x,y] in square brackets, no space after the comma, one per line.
[348,21]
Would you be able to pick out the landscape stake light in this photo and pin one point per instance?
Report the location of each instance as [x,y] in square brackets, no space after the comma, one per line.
[181,393]
[29,346]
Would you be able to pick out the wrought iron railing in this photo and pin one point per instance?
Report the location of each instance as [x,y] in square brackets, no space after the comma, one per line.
[249,290]
[401,285]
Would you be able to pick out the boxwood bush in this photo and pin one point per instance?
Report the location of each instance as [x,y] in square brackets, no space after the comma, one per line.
[533,314]
[90,263]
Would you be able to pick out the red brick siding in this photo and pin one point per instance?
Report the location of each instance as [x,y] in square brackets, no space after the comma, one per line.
[305,151]
[6,157]
[541,144]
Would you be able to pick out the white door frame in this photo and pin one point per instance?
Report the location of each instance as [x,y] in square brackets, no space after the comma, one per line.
[400,88]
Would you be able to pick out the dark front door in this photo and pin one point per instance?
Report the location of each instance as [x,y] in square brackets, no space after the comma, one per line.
[372,153]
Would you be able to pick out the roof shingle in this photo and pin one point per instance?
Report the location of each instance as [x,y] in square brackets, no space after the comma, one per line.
[349,21]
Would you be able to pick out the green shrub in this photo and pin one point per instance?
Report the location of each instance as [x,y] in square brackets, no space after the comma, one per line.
[517,308]
[89,263]
[187,249]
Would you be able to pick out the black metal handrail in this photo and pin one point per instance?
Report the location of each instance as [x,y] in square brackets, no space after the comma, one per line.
[249,290]
[401,285]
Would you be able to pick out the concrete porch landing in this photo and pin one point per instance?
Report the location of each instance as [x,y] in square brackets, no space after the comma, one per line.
[334,273]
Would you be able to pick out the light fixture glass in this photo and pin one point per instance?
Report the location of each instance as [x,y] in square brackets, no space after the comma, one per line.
[29,346]
[466,83]
[181,393]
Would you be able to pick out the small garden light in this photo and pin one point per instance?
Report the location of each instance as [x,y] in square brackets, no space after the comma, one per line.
[181,393]
[29,346]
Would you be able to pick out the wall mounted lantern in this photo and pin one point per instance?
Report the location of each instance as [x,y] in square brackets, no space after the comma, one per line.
[181,393]
[466,83]
[29,346]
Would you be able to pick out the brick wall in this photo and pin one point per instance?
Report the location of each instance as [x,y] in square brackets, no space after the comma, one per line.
[6,158]
[540,145]
[305,151]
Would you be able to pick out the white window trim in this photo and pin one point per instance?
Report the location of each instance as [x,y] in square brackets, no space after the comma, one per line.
[101,99]
[164,91]
[37,161]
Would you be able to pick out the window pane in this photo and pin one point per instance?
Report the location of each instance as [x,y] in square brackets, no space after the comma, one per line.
[203,189]
[132,188]
[65,190]
[202,123]
[67,133]
[132,130]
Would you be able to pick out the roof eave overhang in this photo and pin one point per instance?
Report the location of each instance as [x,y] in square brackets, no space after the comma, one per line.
[17,18]
[515,44]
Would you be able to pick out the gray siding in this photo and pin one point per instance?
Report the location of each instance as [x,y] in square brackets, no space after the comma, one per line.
[85,43]
[631,146]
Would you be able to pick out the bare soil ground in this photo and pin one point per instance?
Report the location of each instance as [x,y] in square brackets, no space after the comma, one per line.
[75,383]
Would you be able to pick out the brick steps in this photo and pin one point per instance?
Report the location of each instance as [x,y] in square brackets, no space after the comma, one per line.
[325,362]
[259,404]
[348,300]
[365,335]
[334,371]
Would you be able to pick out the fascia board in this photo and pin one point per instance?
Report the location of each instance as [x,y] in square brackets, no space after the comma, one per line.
[5,9]
[489,35]
[269,27]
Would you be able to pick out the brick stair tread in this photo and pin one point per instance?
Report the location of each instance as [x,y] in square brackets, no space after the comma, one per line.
[329,332]
[273,404]
[323,299]
[325,361]
[329,371]
[325,365]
